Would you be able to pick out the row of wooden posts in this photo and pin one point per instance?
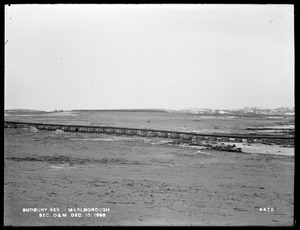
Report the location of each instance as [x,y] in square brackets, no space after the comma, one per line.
[132,132]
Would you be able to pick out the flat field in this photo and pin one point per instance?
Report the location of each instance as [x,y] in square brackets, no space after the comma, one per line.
[239,124]
[142,181]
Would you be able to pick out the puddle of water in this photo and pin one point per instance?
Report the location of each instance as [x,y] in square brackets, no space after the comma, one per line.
[60,166]
[265,149]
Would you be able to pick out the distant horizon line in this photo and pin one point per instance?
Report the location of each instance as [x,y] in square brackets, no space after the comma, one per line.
[178,109]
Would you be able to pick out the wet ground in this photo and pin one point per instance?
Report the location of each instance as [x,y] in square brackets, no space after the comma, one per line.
[142,181]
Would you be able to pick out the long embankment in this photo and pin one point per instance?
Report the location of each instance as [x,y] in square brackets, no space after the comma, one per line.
[154,133]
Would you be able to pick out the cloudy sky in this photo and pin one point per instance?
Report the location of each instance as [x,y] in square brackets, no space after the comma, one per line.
[148,56]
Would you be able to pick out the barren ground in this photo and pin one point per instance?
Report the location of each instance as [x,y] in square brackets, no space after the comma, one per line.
[142,182]
[162,120]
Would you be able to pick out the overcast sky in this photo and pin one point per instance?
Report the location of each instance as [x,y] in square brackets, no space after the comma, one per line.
[148,56]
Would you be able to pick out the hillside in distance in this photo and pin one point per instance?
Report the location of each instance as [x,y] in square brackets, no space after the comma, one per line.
[24,111]
[282,111]
[247,111]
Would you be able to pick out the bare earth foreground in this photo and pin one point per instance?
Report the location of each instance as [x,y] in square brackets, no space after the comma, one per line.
[140,181]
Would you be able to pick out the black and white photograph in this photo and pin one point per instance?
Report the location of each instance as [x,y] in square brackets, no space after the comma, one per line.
[149,115]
